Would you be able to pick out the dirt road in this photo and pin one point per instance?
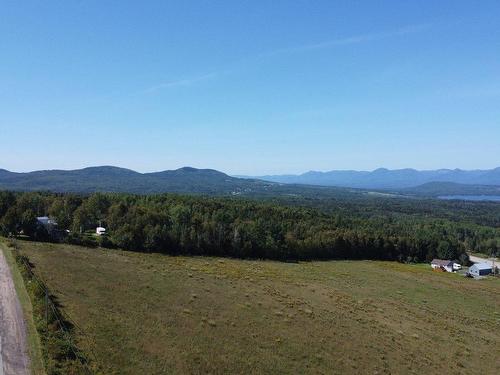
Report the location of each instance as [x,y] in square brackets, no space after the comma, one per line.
[476,259]
[14,359]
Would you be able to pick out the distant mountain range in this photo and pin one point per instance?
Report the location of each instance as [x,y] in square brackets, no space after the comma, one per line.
[212,182]
[389,179]
[114,179]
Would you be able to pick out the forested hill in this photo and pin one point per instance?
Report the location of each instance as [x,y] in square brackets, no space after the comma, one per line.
[114,179]
[432,189]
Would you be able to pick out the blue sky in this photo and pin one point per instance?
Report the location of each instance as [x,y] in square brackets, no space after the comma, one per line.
[250,87]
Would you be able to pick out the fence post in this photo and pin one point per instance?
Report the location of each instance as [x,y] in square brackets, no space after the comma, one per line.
[46,308]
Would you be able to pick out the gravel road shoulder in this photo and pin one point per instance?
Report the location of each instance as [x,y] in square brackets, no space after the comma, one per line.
[14,359]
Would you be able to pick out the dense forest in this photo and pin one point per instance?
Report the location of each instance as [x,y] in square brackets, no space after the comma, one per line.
[402,230]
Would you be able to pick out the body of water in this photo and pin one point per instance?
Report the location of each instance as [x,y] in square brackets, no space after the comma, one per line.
[493,198]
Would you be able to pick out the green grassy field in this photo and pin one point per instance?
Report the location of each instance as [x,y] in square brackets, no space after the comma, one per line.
[154,314]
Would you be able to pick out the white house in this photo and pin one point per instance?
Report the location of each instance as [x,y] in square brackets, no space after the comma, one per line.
[480,269]
[100,231]
[443,265]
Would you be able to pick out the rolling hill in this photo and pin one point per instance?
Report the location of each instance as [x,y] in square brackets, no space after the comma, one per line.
[114,179]
[184,180]
[432,189]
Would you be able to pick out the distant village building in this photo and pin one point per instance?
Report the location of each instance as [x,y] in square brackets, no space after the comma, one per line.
[47,223]
[50,226]
[100,231]
[480,269]
[443,265]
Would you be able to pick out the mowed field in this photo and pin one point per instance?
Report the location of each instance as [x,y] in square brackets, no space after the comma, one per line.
[157,314]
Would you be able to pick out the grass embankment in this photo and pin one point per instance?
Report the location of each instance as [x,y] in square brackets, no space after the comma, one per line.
[50,335]
[34,347]
[153,314]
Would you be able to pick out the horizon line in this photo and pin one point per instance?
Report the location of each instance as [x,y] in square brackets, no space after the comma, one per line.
[246,175]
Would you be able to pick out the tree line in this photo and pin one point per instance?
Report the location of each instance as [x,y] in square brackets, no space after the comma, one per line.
[175,224]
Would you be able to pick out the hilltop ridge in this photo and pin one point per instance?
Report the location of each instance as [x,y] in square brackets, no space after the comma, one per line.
[116,179]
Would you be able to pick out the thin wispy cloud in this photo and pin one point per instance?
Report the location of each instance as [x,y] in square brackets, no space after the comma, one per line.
[350,40]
